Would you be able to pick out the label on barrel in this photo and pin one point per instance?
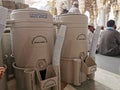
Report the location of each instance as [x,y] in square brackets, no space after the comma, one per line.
[39,39]
[38,15]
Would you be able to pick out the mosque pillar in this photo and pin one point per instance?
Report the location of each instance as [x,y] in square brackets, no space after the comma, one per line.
[118,16]
[82,6]
[118,20]
[59,6]
[102,16]
[52,9]
[116,10]
[69,4]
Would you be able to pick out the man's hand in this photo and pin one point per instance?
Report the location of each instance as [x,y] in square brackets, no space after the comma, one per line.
[2,72]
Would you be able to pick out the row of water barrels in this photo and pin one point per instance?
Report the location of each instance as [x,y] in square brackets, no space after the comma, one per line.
[34,37]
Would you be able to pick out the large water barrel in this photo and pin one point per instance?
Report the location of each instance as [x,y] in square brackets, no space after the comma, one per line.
[74,49]
[75,44]
[33,38]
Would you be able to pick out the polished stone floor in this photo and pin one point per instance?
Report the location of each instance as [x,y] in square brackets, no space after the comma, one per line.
[107,76]
[108,63]
[104,80]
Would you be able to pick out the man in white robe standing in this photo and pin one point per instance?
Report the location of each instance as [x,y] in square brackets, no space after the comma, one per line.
[75,8]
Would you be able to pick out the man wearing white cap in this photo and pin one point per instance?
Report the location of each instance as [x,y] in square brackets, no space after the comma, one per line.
[91,30]
[74,8]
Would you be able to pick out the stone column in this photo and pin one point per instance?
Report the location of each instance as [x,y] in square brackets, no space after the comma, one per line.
[58,6]
[118,19]
[82,6]
[68,4]
[52,8]
[102,16]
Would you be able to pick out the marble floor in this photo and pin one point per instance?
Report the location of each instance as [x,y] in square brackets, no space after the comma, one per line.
[107,76]
[108,63]
[104,80]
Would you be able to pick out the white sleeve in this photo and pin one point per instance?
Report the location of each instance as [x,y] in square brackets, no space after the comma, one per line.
[74,10]
[77,11]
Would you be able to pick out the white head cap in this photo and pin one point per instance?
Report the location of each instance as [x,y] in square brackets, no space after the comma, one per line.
[75,2]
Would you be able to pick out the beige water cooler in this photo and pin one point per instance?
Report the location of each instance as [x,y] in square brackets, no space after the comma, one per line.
[74,50]
[33,42]
[75,43]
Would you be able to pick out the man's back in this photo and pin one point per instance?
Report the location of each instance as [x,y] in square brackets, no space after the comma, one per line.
[109,43]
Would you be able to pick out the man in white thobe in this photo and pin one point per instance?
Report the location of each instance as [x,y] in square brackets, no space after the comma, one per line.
[74,9]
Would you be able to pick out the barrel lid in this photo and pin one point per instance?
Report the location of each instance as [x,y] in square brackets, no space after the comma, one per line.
[73,18]
[72,14]
[31,14]
[22,10]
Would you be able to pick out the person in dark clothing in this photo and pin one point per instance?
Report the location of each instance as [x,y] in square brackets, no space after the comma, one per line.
[109,44]
[64,11]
